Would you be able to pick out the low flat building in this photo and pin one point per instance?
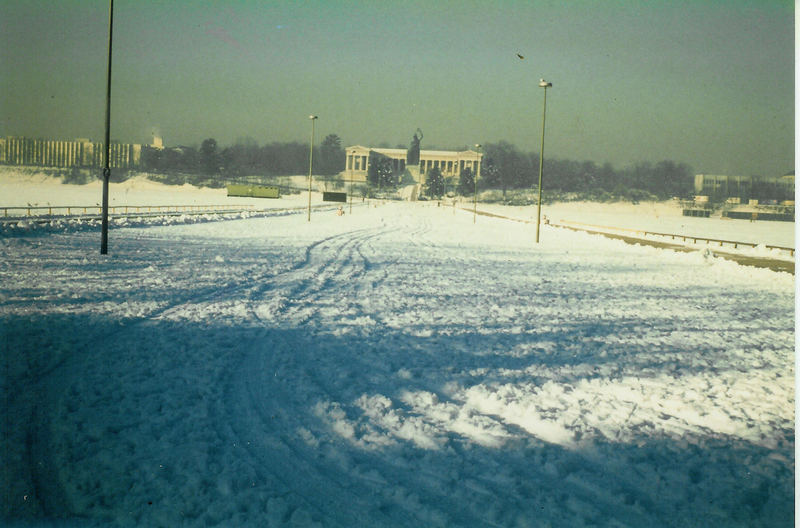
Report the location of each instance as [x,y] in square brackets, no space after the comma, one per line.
[722,187]
[450,163]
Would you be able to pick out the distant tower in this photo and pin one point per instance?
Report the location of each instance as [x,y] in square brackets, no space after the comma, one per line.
[158,143]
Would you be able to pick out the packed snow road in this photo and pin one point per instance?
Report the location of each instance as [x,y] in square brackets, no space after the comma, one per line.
[395,367]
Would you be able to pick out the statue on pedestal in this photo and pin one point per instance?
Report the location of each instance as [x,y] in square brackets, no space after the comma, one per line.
[412,158]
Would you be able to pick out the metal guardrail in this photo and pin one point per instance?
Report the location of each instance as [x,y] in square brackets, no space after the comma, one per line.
[761,262]
[721,242]
[684,238]
[82,210]
[94,212]
[673,236]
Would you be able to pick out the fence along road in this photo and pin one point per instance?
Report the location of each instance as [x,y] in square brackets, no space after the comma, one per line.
[44,214]
[746,260]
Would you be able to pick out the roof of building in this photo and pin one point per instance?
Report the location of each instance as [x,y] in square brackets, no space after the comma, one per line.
[391,151]
[394,152]
[440,153]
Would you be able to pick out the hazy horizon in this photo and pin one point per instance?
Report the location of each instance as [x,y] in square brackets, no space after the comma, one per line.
[710,84]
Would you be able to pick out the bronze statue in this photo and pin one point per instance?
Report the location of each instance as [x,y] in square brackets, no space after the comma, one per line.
[412,158]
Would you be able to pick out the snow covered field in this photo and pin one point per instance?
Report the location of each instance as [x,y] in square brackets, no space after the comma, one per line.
[662,217]
[21,187]
[400,366]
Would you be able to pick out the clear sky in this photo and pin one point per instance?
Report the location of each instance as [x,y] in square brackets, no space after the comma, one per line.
[708,83]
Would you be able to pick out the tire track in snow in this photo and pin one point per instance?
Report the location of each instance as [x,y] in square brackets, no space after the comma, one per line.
[264,428]
[297,291]
[283,442]
[279,397]
[313,462]
[58,381]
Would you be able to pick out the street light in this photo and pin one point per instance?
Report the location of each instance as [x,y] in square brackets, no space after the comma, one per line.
[107,166]
[542,84]
[313,118]
[475,178]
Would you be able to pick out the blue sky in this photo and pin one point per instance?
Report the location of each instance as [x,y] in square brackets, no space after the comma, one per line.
[706,83]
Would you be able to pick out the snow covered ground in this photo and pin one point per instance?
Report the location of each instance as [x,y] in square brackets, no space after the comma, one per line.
[664,217]
[400,366]
[26,186]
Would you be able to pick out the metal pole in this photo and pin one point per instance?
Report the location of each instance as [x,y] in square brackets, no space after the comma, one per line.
[475,178]
[310,159]
[475,200]
[107,168]
[544,85]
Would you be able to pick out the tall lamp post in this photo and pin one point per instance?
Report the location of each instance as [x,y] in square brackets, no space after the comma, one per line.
[475,178]
[542,84]
[313,118]
[107,167]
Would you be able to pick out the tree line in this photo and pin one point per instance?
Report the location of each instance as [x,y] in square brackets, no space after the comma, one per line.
[504,167]
[245,157]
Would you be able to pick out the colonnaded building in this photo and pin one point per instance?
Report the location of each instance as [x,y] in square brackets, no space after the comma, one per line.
[74,153]
[450,163]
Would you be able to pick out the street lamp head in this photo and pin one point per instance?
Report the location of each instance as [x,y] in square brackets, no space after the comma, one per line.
[313,117]
[545,84]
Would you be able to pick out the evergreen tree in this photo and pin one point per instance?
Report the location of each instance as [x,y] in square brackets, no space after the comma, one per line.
[434,183]
[466,182]
[332,156]
[209,157]
[380,173]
